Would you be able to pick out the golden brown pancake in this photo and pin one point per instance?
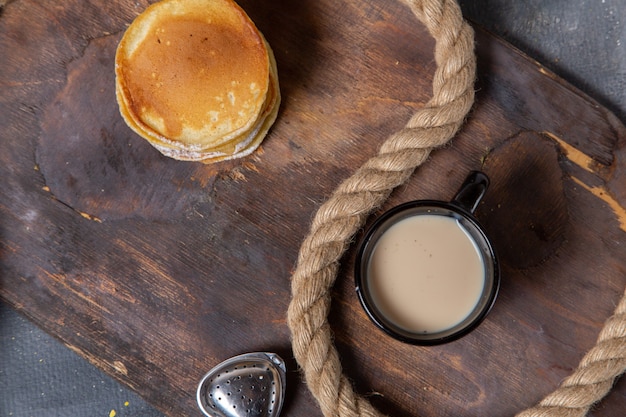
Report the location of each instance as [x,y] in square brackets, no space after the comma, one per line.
[197,80]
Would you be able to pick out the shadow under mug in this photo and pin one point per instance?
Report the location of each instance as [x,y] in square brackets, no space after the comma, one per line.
[426,272]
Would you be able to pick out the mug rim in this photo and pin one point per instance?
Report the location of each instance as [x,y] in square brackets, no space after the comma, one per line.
[371,237]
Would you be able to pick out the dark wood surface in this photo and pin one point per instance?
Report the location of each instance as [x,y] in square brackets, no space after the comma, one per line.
[156,270]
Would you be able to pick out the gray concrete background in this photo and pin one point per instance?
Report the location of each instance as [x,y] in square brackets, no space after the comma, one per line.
[582,41]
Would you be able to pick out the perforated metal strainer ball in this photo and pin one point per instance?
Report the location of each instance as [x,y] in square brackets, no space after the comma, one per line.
[248,385]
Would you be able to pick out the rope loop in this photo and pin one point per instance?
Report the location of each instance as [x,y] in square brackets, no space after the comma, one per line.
[343,214]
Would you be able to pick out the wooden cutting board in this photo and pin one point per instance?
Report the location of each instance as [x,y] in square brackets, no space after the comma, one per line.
[155,270]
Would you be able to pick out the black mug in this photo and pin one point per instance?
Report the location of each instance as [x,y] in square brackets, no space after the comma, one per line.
[426,273]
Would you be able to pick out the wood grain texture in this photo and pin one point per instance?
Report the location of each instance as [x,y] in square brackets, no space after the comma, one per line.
[156,270]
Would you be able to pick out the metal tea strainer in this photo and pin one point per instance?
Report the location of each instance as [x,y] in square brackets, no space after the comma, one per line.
[248,385]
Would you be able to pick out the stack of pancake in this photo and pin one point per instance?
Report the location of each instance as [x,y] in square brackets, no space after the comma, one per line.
[197,80]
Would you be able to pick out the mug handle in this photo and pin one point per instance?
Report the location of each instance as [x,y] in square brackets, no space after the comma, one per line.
[472,191]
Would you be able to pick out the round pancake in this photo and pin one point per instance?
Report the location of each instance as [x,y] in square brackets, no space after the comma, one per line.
[197,79]
[237,147]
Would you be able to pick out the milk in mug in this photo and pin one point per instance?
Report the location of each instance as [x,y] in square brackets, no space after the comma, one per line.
[426,273]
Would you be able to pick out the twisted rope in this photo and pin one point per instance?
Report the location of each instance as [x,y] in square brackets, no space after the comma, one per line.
[594,377]
[341,216]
